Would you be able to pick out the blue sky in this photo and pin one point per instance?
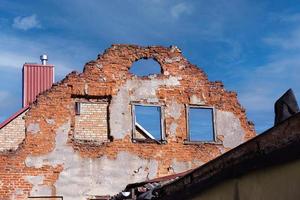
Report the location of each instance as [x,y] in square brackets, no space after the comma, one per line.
[201,124]
[149,118]
[252,46]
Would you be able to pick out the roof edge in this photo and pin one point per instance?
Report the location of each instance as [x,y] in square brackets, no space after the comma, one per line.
[276,145]
[12,117]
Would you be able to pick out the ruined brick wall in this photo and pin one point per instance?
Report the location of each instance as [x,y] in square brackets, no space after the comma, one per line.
[51,161]
[12,134]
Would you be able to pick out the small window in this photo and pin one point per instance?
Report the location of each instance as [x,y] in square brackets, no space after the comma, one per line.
[200,124]
[145,67]
[148,124]
[77,108]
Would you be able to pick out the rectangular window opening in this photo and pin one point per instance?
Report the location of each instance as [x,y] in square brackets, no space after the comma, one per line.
[200,124]
[148,123]
[77,108]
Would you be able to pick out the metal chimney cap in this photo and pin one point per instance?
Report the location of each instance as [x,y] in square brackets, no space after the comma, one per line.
[44,59]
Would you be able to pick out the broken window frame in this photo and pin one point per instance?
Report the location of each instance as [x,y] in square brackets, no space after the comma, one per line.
[162,124]
[193,106]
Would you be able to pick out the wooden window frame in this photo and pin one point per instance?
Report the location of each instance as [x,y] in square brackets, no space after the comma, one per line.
[162,123]
[188,139]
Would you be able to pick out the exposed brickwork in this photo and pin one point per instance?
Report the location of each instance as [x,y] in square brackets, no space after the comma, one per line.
[91,123]
[179,84]
[12,134]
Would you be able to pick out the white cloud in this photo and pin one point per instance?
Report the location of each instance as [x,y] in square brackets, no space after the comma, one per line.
[20,50]
[26,23]
[61,53]
[180,9]
[262,85]
[289,42]
[260,88]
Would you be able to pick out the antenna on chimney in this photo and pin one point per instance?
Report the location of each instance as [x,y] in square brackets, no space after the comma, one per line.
[44,59]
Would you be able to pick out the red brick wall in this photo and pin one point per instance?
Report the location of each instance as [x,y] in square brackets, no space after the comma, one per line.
[109,76]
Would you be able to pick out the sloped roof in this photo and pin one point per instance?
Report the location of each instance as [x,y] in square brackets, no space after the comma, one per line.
[275,146]
[15,115]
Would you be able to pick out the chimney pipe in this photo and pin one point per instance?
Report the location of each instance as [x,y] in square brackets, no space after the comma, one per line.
[44,59]
[36,79]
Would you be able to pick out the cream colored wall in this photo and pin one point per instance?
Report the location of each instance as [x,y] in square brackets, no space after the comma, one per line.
[91,124]
[12,134]
[276,183]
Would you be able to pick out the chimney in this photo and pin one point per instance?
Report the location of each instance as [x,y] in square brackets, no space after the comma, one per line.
[44,59]
[36,79]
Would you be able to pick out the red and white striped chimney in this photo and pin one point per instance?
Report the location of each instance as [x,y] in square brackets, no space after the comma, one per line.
[36,79]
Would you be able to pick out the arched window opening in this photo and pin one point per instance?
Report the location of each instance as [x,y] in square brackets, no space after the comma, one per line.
[145,67]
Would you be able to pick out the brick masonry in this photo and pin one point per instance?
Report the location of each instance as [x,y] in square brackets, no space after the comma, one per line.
[12,134]
[91,123]
[54,158]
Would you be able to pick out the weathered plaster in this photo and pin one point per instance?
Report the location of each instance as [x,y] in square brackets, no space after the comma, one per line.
[173,128]
[33,128]
[50,121]
[38,187]
[179,166]
[135,90]
[174,110]
[229,126]
[82,177]
[17,192]
[195,100]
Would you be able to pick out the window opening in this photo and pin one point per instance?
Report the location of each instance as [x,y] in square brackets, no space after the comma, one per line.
[201,124]
[77,108]
[147,123]
[145,67]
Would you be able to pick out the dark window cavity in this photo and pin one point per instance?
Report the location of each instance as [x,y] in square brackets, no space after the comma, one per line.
[77,108]
[145,67]
[147,123]
[200,124]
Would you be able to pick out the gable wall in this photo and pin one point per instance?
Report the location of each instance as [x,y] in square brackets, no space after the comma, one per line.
[52,160]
